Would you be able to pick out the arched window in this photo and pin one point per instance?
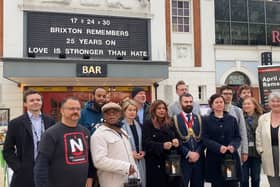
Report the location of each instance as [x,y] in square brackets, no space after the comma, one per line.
[237,78]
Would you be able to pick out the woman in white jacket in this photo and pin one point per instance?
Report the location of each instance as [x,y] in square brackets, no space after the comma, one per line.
[111,150]
[268,140]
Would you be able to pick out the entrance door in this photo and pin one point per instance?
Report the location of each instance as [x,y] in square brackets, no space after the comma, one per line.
[53,96]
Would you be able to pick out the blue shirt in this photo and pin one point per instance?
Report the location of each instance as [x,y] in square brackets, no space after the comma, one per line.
[140,114]
[37,130]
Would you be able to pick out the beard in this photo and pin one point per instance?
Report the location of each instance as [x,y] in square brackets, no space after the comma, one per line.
[187,109]
[98,106]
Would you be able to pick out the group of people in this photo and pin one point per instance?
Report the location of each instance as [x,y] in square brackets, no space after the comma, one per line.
[136,143]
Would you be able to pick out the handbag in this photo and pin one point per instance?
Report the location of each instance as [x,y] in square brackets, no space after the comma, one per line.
[133,182]
[229,167]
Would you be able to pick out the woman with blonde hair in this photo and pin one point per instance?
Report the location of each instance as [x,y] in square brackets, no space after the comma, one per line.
[268,140]
[134,131]
[252,111]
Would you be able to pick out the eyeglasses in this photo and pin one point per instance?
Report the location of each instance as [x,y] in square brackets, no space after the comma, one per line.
[72,108]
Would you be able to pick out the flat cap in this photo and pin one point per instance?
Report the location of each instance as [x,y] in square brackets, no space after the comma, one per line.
[111,105]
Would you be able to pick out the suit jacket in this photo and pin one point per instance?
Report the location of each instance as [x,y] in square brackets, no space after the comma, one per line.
[18,149]
[190,145]
[263,143]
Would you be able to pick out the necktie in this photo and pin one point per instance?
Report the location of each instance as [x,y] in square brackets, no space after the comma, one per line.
[189,117]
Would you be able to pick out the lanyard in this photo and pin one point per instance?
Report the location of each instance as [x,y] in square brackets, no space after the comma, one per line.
[188,123]
[37,135]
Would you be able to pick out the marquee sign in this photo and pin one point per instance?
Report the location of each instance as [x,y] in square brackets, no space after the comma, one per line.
[86,36]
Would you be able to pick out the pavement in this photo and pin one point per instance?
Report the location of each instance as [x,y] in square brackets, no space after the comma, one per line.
[264,182]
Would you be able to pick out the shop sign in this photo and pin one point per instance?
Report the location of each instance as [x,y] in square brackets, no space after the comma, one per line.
[91,70]
[276,36]
[86,36]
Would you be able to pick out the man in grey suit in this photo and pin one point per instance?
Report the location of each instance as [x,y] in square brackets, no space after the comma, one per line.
[175,108]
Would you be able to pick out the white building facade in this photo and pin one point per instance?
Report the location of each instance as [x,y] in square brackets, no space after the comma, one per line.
[206,43]
[233,35]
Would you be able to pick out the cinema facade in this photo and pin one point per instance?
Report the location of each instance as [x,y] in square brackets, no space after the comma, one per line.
[63,48]
[69,47]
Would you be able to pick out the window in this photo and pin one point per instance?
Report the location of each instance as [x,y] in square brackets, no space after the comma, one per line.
[222,33]
[272,12]
[237,78]
[239,33]
[256,11]
[222,10]
[247,22]
[202,93]
[239,10]
[180,15]
[257,34]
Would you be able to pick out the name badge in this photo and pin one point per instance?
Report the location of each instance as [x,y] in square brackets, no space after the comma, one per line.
[251,144]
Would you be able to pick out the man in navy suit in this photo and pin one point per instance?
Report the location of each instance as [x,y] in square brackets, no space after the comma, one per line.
[188,126]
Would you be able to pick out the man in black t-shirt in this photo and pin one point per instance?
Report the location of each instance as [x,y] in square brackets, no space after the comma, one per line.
[63,158]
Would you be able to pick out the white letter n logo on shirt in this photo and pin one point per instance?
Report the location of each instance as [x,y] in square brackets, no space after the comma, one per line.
[76,146]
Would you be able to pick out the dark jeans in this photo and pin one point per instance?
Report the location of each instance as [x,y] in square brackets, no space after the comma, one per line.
[252,168]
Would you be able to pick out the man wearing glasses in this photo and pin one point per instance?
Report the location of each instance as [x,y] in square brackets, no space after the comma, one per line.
[227,93]
[23,136]
[63,158]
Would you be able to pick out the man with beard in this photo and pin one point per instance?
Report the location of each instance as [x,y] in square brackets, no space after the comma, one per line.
[91,114]
[63,158]
[111,150]
[189,129]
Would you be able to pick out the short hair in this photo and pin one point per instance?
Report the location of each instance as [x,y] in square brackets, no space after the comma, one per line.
[67,99]
[213,97]
[93,92]
[274,95]
[128,102]
[181,82]
[225,87]
[245,87]
[30,92]
[185,95]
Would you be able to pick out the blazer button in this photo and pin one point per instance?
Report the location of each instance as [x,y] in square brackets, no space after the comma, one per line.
[220,126]
[158,166]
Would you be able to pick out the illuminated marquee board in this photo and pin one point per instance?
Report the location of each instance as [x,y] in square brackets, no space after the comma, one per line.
[86,36]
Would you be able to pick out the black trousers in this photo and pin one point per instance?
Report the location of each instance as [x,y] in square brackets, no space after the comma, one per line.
[225,184]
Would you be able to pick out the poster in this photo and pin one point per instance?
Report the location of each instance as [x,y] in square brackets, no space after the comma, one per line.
[4,120]
[269,81]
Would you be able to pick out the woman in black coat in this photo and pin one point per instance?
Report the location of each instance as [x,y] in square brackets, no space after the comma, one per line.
[159,139]
[220,136]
